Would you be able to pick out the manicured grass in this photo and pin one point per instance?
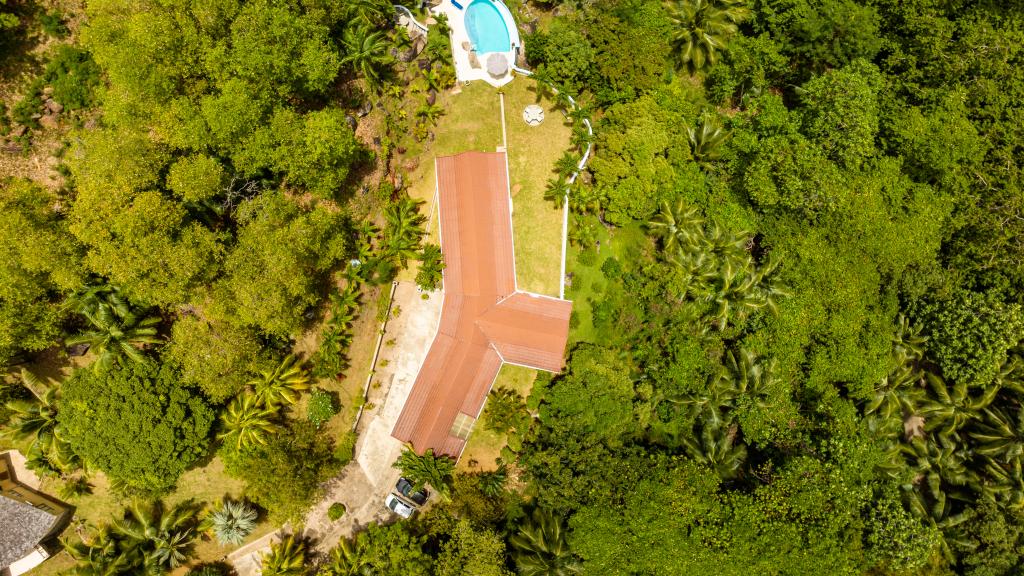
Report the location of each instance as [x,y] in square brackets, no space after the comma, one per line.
[532,153]
[484,446]
[208,484]
[588,281]
[471,121]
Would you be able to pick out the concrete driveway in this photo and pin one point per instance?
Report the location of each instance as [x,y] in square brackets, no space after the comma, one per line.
[366,481]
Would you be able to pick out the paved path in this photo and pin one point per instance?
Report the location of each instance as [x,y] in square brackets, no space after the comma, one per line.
[366,481]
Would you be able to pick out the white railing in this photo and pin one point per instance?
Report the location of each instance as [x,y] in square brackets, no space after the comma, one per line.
[412,19]
[572,178]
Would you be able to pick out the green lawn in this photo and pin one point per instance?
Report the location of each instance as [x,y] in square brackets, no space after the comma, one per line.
[485,446]
[588,281]
[472,121]
[532,152]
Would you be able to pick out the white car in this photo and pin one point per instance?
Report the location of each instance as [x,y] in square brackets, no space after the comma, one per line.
[396,505]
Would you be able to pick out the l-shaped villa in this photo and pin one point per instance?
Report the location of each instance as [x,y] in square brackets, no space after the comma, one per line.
[485,319]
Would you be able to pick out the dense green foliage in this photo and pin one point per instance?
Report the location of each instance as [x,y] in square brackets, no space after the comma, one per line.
[135,422]
[40,266]
[802,353]
[797,343]
[283,475]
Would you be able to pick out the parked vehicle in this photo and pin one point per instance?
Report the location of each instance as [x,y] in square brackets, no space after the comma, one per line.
[396,505]
[405,488]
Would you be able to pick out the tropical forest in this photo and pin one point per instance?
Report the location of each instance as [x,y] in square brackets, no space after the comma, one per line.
[791,232]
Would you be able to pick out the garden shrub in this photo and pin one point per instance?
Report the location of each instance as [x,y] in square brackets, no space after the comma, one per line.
[336,511]
[321,407]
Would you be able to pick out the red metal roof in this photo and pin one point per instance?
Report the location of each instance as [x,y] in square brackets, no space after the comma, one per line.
[485,321]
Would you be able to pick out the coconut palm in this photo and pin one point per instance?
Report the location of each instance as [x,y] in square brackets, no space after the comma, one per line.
[348,559]
[372,13]
[404,229]
[492,483]
[98,555]
[750,377]
[939,471]
[427,469]
[247,422]
[717,448]
[1001,436]
[116,333]
[286,558]
[232,522]
[35,418]
[556,190]
[540,547]
[1003,483]
[368,53]
[948,409]
[160,537]
[281,385]
[702,28]
[706,138]
[677,225]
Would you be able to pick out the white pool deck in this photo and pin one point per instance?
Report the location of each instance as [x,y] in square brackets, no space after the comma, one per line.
[465,70]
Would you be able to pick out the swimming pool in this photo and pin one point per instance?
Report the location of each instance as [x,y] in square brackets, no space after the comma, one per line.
[486,27]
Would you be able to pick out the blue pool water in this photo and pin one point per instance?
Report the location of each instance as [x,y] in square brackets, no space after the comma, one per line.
[486,27]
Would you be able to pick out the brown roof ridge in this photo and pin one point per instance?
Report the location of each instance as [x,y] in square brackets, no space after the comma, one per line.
[486,320]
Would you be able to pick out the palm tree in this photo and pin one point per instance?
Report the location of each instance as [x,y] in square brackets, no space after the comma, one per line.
[248,422]
[116,333]
[429,112]
[492,483]
[370,13]
[75,487]
[939,468]
[582,232]
[286,558]
[281,385]
[1004,483]
[98,555]
[404,229]
[948,410]
[348,559]
[702,28]
[368,53]
[706,138]
[1001,436]
[35,418]
[556,190]
[717,448]
[427,469]
[344,307]
[161,538]
[232,522]
[540,547]
[677,225]
[567,164]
